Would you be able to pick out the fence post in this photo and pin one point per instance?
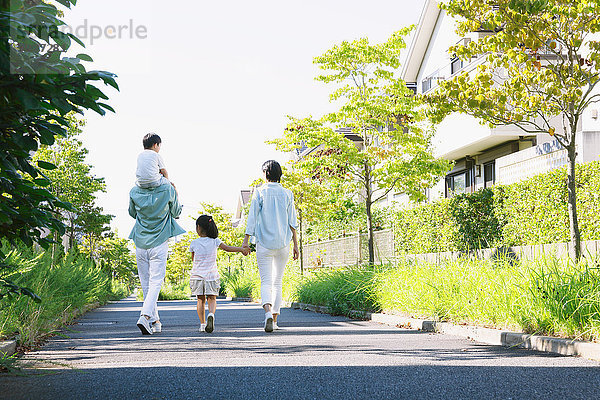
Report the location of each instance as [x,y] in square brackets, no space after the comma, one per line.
[359,256]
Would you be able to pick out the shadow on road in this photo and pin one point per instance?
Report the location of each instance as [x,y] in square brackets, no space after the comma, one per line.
[297,382]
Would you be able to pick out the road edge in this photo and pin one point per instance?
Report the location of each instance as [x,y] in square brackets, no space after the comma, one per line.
[497,337]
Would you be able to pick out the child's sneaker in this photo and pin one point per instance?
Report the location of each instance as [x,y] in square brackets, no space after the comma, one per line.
[210,323]
[275,326]
[202,327]
[156,327]
[268,322]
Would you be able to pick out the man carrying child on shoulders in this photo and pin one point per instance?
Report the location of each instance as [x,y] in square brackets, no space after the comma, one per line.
[154,204]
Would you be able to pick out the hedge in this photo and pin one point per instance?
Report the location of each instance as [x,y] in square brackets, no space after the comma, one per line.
[533,211]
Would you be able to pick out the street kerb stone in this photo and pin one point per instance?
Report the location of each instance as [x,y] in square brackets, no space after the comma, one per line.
[8,348]
[491,336]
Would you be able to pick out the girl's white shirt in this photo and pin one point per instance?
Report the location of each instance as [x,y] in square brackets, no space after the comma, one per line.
[205,258]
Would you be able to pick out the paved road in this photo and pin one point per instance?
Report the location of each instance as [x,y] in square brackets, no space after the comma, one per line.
[313,356]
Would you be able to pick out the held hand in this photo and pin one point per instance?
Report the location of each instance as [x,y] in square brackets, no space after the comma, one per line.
[245,250]
[296,253]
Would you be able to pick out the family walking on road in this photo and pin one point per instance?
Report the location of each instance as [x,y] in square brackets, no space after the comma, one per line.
[154,204]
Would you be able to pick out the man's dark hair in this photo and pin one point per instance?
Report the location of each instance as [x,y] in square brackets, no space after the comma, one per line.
[150,140]
[272,170]
[208,226]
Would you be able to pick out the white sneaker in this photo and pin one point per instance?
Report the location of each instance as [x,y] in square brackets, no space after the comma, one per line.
[210,323]
[275,326]
[144,325]
[268,322]
[156,327]
[202,327]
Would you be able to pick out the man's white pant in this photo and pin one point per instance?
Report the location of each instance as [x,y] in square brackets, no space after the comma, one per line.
[271,266]
[152,267]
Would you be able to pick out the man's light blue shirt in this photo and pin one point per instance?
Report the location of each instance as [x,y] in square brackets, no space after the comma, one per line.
[271,215]
[154,210]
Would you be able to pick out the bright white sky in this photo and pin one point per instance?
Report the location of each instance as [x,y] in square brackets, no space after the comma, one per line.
[214,80]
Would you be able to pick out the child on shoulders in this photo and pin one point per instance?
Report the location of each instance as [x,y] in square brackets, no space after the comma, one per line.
[205,280]
[151,171]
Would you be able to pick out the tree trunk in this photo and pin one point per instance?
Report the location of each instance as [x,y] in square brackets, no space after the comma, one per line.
[301,243]
[370,227]
[368,204]
[572,204]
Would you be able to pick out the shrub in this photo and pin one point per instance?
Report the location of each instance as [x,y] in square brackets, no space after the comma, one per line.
[476,217]
[533,211]
[426,228]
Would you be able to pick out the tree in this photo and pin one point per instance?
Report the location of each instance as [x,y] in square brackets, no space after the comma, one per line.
[115,257]
[72,181]
[94,226]
[179,262]
[392,147]
[311,199]
[540,73]
[38,88]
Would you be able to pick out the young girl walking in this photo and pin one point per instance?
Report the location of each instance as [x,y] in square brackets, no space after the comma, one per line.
[205,281]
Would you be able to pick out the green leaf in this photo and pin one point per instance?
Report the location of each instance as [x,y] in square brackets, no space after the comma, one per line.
[106,106]
[84,57]
[46,165]
[28,100]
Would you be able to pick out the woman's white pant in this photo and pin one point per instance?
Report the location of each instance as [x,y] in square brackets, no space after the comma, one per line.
[152,268]
[271,265]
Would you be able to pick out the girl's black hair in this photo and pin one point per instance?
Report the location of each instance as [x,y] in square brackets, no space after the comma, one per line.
[272,170]
[208,226]
[150,140]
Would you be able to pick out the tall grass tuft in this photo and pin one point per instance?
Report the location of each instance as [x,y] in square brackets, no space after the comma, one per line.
[65,287]
[240,282]
[342,290]
[546,296]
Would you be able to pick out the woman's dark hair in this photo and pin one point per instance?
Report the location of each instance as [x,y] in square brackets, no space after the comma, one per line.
[208,226]
[272,170]
[150,140]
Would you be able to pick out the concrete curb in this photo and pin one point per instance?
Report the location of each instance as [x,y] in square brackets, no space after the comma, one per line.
[8,348]
[566,347]
[242,299]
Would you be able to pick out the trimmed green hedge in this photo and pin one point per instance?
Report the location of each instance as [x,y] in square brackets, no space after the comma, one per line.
[532,211]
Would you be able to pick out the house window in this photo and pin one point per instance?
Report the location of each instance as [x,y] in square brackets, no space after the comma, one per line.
[426,85]
[489,174]
[455,65]
[458,183]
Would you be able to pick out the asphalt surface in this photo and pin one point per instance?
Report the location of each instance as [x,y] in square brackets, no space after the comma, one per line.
[313,356]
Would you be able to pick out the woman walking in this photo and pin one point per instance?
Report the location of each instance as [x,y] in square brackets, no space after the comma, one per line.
[272,220]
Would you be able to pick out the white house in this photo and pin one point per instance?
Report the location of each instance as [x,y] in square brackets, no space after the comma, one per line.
[482,156]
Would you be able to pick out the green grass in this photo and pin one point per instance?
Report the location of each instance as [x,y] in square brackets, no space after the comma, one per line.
[170,291]
[240,282]
[65,287]
[244,280]
[548,296]
[343,290]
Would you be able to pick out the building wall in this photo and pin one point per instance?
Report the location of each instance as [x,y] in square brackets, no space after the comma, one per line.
[437,56]
[514,159]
